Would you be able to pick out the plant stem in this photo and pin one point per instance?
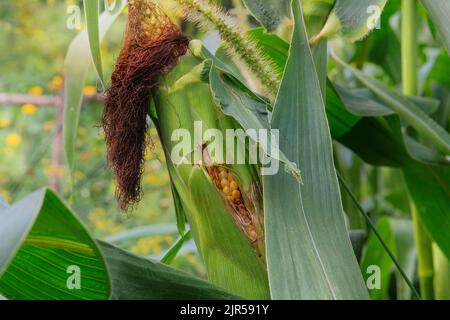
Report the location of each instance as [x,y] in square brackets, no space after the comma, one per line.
[442,274]
[409,47]
[424,256]
[409,80]
[377,234]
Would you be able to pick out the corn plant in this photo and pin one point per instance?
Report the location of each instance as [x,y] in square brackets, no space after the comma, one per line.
[332,79]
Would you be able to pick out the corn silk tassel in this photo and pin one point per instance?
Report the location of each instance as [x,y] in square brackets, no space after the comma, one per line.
[152,46]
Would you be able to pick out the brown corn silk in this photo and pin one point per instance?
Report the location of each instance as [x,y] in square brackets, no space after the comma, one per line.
[152,46]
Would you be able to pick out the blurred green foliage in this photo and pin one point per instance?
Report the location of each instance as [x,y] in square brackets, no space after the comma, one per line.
[33,41]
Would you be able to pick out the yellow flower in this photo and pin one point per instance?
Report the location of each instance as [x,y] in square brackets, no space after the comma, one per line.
[101,225]
[28,109]
[36,90]
[56,83]
[4,123]
[13,139]
[89,90]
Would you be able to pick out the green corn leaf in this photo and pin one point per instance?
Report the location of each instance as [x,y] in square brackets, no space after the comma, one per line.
[353,19]
[179,210]
[306,237]
[270,13]
[407,110]
[137,278]
[141,232]
[363,102]
[76,67]
[42,239]
[41,242]
[222,245]
[231,262]
[429,188]
[377,141]
[439,10]
[247,109]
[276,49]
[173,251]
[398,236]
[91,11]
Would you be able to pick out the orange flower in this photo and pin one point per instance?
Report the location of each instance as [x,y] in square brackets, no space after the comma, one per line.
[89,90]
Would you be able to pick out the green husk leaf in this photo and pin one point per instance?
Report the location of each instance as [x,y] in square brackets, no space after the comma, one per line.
[306,237]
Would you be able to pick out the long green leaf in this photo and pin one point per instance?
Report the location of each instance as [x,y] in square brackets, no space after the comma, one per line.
[248,110]
[40,240]
[407,110]
[136,278]
[306,237]
[91,11]
[144,231]
[439,10]
[76,67]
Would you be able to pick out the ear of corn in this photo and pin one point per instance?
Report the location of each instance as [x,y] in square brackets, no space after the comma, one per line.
[221,201]
[227,255]
[353,19]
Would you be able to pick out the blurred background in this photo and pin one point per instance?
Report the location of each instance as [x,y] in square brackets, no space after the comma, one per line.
[34,37]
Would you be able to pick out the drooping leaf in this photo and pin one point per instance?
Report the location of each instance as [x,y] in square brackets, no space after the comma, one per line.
[407,110]
[91,11]
[42,245]
[306,237]
[136,278]
[76,65]
[248,110]
[363,102]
